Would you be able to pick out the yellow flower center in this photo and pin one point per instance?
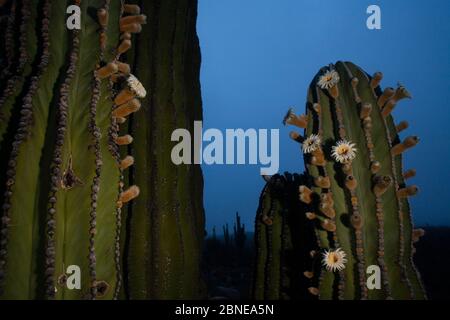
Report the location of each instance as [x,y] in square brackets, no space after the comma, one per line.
[332,258]
[343,149]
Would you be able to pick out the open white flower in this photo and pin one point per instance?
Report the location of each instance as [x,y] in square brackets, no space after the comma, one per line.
[136,86]
[334,260]
[329,79]
[311,144]
[344,151]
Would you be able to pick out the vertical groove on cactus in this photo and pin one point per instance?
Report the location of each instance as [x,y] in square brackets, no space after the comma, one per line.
[114,149]
[62,161]
[20,64]
[96,138]
[21,137]
[8,53]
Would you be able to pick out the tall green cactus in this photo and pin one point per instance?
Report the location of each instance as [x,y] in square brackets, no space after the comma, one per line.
[284,242]
[65,146]
[167,220]
[357,196]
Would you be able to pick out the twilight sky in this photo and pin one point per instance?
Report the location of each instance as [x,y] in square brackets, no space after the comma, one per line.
[259,57]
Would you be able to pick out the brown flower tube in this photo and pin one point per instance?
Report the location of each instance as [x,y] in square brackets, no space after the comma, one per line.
[376,79]
[107,70]
[409,174]
[139,19]
[131,28]
[127,162]
[402,126]
[124,46]
[124,140]
[130,194]
[127,108]
[124,96]
[387,94]
[408,143]
[131,9]
[407,191]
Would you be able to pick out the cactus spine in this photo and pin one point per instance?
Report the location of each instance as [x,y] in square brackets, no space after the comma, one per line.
[66,144]
[357,197]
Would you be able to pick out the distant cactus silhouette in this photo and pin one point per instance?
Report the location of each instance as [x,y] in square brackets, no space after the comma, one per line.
[239,233]
[214,233]
[226,235]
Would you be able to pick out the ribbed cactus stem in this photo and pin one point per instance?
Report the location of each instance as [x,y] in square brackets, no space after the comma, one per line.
[284,265]
[355,197]
[67,101]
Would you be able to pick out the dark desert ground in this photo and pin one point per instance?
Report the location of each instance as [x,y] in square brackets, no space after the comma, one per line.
[227,268]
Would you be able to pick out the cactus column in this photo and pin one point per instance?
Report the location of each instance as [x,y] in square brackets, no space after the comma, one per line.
[166,223]
[359,199]
[285,244]
[65,146]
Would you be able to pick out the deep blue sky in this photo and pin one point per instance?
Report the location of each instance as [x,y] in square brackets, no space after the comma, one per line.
[259,57]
